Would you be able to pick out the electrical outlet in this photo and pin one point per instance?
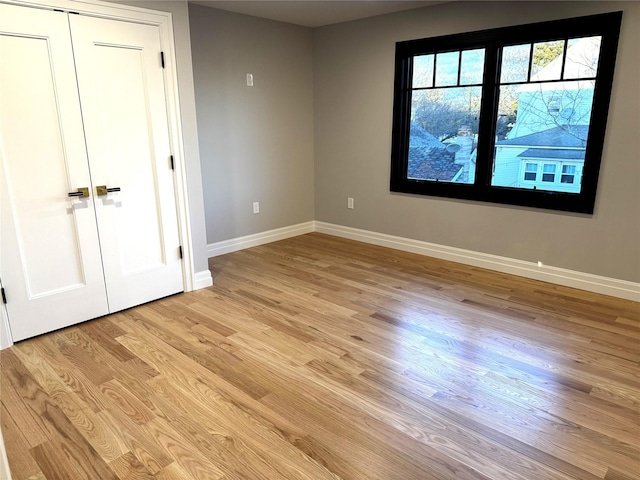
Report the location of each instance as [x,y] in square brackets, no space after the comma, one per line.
[256,207]
[350,203]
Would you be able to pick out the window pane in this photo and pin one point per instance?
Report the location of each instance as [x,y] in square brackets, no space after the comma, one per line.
[444,134]
[554,104]
[542,122]
[547,60]
[530,172]
[423,71]
[472,68]
[568,174]
[515,63]
[582,57]
[549,173]
[447,69]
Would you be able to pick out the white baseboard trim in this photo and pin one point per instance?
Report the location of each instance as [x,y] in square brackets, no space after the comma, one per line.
[202,280]
[560,276]
[248,241]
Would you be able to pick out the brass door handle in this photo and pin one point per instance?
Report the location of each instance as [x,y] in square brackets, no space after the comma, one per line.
[103,190]
[81,193]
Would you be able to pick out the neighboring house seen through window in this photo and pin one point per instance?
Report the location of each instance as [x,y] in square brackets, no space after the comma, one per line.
[510,115]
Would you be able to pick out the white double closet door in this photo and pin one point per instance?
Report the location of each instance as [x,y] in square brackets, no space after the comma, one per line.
[82,105]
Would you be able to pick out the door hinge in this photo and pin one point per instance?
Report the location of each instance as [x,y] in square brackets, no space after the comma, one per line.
[179,249]
[162,59]
[4,296]
[172,165]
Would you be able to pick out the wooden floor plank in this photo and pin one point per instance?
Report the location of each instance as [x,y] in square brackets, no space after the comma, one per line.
[23,464]
[128,467]
[321,358]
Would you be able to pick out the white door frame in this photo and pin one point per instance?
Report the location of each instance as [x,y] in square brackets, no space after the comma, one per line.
[5,331]
[164,21]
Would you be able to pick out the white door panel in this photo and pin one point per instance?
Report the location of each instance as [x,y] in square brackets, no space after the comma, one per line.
[121,86]
[50,255]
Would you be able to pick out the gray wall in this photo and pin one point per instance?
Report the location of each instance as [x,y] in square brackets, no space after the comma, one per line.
[182,41]
[256,143]
[353,86]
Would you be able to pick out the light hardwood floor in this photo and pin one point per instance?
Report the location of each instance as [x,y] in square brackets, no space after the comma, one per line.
[322,358]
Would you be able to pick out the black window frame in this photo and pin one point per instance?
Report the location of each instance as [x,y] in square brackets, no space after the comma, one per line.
[605,25]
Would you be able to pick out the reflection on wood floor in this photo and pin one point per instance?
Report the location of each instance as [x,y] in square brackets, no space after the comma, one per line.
[323,358]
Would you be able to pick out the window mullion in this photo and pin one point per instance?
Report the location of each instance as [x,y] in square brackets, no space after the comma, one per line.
[564,58]
[488,114]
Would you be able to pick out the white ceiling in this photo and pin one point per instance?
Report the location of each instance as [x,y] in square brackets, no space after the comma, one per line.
[314,13]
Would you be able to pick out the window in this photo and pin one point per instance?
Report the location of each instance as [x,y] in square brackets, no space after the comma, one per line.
[531,172]
[549,173]
[549,176]
[568,173]
[553,107]
[471,109]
